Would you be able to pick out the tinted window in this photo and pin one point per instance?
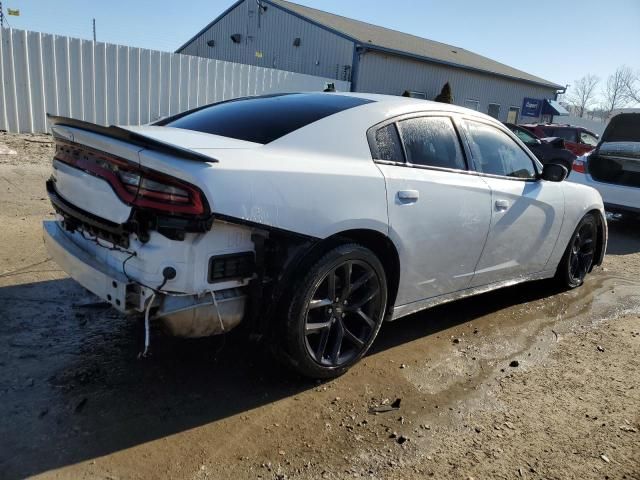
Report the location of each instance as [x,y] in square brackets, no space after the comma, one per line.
[525,136]
[565,133]
[263,119]
[388,144]
[496,153]
[431,141]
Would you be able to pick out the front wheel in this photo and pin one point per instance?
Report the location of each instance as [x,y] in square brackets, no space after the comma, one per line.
[579,256]
[336,312]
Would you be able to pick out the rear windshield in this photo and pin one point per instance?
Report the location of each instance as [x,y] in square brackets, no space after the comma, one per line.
[263,119]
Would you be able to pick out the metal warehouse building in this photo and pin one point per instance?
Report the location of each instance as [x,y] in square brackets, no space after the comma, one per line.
[288,36]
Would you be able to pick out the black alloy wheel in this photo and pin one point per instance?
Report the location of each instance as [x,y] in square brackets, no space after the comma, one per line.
[337,312]
[580,253]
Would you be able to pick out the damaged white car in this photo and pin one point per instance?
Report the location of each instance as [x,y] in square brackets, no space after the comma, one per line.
[313,217]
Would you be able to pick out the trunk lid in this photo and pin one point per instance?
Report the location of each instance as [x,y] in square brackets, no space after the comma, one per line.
[80,188]
[204,143]
[624,127]
[616,160]
[94,195]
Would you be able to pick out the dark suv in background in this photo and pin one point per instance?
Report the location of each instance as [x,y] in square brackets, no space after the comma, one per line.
[578,140]
[547,150]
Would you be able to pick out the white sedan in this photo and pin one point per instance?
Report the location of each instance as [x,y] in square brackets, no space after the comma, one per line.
[613,167]
[312,217]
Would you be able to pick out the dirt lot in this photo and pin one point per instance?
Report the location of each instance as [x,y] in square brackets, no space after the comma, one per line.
[76,403]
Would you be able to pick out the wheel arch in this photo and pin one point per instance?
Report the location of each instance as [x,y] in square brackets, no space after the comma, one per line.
[301,258]
[601,245]
[383,247]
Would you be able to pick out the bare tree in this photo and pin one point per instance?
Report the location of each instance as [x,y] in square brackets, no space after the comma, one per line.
[632,87]
[615,91]
[584,93]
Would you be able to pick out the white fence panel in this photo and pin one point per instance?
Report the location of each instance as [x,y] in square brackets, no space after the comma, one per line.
[116,84]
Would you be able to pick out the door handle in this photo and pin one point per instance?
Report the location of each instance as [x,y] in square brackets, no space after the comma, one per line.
[408,196]
[502,205]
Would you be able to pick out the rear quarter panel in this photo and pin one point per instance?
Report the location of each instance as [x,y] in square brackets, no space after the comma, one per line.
[579,200]
[318,180]
[312,194]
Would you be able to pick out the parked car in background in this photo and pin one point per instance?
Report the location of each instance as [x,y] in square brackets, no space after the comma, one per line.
[311,217]
[578,140]
[613,168]
[545,149]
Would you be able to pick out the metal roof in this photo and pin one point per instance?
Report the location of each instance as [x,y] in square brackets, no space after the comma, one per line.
[392,41]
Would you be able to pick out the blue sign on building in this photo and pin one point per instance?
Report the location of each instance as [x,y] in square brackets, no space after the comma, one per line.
[531,107]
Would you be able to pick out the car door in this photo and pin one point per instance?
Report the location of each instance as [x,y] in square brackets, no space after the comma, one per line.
[527,212]
[439,211]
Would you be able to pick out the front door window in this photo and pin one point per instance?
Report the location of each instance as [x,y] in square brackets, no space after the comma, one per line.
[495,153]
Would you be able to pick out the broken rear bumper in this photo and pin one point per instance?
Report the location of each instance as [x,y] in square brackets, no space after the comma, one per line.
[100,279]
[198,315]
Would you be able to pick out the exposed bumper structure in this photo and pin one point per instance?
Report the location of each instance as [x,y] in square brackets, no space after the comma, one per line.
[100,279]
[198,315]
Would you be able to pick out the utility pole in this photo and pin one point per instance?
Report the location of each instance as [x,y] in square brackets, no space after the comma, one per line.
[94,30]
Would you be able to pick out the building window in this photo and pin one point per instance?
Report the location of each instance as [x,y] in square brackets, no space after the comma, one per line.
[513,115]
[494,110]
[472,104]
[414,94]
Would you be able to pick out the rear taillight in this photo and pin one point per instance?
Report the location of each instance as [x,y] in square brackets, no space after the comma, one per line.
[579,166]
[133,184]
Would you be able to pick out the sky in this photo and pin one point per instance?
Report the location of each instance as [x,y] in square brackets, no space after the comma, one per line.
[558,41]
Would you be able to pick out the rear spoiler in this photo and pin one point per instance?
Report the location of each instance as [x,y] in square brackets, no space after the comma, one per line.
[133,138]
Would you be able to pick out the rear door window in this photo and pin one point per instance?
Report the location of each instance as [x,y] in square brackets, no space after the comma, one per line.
[431,142]
[387,144]
[495,153]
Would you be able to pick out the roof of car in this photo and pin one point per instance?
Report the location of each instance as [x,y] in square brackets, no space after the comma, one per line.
[399,100]
[557,125]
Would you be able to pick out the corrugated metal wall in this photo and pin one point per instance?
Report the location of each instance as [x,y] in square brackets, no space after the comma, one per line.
[391,74]
[114,84]
[271,35]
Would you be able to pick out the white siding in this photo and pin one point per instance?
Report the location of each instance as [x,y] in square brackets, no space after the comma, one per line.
[272,33]
[392,74]
[115,84]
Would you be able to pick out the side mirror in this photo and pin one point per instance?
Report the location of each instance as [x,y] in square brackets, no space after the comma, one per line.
[553,172]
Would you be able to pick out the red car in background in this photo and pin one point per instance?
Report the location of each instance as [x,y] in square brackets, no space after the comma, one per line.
[578,140]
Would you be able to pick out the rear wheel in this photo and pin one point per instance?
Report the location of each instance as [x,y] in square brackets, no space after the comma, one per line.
[336,313]
[580,253]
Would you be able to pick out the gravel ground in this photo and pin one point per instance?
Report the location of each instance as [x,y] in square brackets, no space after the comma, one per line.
[529,382]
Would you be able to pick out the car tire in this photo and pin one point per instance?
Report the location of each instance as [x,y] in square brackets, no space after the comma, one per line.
[579,256]
[335,312]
